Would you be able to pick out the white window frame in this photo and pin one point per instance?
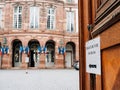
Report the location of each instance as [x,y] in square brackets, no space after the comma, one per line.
[70,21]
[51,22]
[0,18]
[16,22]
[34,17]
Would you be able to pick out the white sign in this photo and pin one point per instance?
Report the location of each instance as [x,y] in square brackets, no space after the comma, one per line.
[26,59]
[93,57]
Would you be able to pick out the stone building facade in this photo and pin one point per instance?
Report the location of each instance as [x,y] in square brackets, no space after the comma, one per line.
[103,19]
[38,33]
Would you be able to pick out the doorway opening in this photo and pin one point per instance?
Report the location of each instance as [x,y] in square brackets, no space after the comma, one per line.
[34,57]
[70,54]
[16,55]
[50,56]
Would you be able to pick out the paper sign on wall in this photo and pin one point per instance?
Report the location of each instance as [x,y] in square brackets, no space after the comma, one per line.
[93,56]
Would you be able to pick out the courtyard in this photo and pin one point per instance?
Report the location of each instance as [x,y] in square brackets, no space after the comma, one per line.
[43,79]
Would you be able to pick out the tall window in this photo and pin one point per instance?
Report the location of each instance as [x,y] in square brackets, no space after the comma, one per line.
[0,18]
[34,17]
[17,17]
[70,21]
[51,18]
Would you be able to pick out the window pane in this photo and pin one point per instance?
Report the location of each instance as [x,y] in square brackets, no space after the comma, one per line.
[52,22]
[19,21]
[71,27]
[51,18]
[34,17]
[15,21]
[49,11]
[48,22]
[70,21]
[31,17]
[20,9]
[52,11]
[17,17]
[15,9]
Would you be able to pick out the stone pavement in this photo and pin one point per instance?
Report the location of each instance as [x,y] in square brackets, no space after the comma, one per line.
[43,79]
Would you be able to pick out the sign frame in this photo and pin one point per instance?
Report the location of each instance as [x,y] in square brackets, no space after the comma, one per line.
[93,56]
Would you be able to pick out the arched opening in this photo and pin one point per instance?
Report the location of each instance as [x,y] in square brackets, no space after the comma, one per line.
[34,58]
[50,56]
[70,54]
[16,55]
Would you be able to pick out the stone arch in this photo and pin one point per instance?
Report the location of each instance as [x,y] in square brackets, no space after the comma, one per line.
[50,56]
[35,41]
[34,58]
[16,56]
[70,54]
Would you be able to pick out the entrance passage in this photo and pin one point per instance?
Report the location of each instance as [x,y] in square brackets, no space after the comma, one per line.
[31,58]
[34,59]
[16,55]
[50,53]
[70,54]
[68,60]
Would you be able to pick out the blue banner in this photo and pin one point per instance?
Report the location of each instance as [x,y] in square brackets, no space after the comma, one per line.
[21,49]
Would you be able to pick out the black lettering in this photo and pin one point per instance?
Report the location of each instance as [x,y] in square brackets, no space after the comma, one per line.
[92,66]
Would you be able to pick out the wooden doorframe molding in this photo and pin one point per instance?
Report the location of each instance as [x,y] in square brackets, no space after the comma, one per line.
[81,46]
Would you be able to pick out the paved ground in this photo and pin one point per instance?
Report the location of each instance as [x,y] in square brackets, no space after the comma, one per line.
[39,79]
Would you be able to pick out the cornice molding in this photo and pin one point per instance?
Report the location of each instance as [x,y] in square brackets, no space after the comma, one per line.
[112,21]
[111,8]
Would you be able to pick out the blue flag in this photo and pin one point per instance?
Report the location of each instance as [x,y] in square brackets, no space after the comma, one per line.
[59,50]
[39,49]
[21,49]
[6,50]
[3,50]
[27,50]
[44,49]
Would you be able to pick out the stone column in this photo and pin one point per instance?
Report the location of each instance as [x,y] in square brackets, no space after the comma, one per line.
[9,60]
[42,60]
[10,55]
[77,50]
[42,55]
[5,61]
[60,60]
[24,65]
